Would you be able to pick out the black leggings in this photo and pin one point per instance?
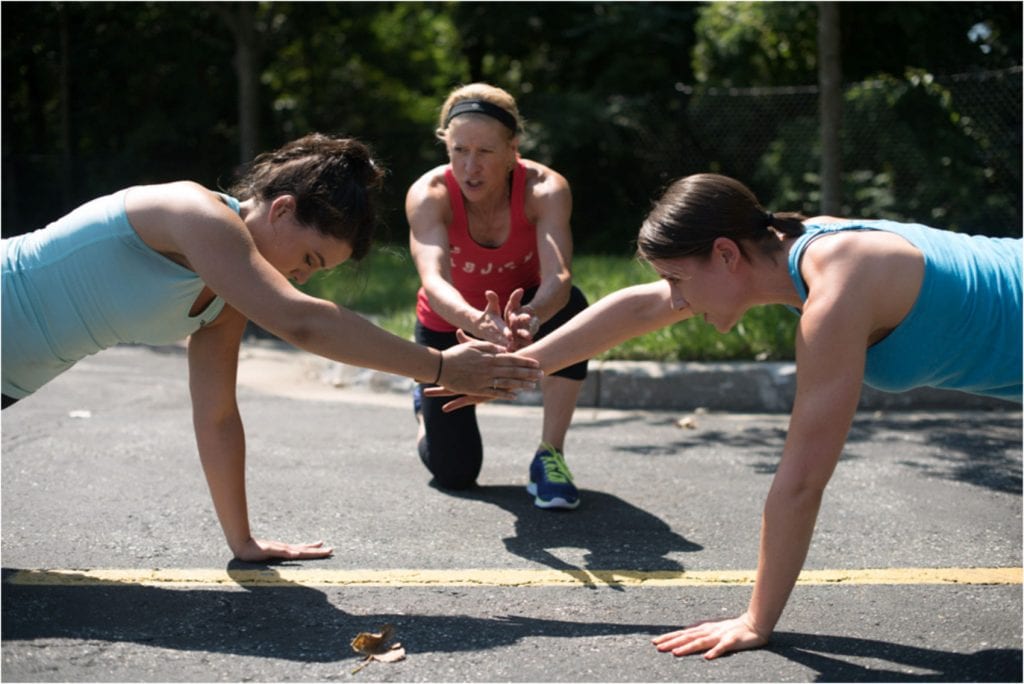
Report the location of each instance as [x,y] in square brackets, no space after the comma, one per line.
[453,451]
[7,401]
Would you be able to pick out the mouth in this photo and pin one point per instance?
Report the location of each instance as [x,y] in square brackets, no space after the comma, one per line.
[474,184]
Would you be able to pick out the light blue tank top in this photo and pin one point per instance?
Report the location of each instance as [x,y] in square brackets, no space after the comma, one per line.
[87,282]
[964,330]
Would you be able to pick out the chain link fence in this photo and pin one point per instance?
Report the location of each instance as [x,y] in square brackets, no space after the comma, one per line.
[941,150]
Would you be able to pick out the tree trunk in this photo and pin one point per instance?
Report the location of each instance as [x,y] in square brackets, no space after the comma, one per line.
[830,104]
[248,82]
[241,20]
[66,160]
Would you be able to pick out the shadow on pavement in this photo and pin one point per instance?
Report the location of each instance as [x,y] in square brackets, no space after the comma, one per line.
[612,534]
[981,449]
[821,653]
[291,622]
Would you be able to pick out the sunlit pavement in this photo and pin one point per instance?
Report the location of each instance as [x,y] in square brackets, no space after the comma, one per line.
[115,567]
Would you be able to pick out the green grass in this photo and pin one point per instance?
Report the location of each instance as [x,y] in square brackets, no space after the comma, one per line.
[384,286]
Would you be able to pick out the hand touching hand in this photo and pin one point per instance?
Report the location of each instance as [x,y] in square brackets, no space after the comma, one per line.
[715,637]
[491,325]
[460,401]
[257,550]
[476,367]
[522,321]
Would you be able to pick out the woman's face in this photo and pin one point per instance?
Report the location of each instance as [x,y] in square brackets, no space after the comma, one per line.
[296,250]
[481,155]
[706,285]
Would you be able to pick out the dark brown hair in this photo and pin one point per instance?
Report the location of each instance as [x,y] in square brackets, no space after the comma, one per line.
[333,180]
[697,209]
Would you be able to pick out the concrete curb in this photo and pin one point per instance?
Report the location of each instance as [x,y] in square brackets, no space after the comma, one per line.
[742,387]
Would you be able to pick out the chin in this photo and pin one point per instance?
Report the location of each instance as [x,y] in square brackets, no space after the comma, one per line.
[724,328]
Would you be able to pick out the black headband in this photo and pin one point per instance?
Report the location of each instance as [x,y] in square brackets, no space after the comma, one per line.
[481,107]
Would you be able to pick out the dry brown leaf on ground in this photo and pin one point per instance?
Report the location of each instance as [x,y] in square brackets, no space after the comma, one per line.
[374,645]
[687,423]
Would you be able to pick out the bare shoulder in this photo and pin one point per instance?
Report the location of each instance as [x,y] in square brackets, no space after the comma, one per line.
[880,271]
[427,203]
[826,219]
[543,181]
[547,194]
[431,185]
[159,212]
[859,249]
[175,196]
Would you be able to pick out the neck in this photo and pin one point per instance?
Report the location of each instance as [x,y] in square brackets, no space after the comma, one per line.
[771,281]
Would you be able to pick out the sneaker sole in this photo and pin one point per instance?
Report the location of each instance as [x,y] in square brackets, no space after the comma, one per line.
[557,502]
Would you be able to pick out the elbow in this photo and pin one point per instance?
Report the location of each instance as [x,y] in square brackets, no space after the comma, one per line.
[562,290]
[301,324]
[298,333]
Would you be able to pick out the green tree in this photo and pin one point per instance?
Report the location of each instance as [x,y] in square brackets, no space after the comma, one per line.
[595,81]
[136,106]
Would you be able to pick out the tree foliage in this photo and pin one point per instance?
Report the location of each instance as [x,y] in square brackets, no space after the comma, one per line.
[101,95]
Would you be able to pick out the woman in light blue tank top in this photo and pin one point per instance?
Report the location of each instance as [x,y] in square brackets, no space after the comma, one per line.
[160,263]
[893,305]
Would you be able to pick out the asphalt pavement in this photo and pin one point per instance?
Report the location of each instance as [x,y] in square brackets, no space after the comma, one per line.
[115,569]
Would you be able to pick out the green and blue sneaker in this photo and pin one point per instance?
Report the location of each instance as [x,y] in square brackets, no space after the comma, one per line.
[551,482]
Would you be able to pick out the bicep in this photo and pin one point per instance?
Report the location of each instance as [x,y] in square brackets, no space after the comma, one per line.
[831,349]
[428,232]
[554,233]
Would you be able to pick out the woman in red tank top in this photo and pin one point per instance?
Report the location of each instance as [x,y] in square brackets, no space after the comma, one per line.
[490,236]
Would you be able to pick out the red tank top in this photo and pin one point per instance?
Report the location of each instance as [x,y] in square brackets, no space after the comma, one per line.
[476,268]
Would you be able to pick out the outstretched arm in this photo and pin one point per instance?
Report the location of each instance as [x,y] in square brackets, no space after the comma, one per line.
[216,244]
[213,364]
[622,315]
[617,317]
[549,204]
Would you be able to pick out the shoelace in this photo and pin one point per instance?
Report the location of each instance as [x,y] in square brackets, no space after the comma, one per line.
[555,468]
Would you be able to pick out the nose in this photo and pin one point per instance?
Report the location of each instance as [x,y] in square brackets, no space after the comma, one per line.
[678,300]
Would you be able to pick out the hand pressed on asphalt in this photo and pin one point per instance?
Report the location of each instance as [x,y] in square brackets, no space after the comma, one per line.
[257,550]
[715,637]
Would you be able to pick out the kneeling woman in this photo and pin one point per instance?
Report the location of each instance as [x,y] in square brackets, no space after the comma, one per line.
[490,235]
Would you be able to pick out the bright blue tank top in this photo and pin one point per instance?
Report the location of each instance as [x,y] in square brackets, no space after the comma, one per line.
[87,282]
[964,330]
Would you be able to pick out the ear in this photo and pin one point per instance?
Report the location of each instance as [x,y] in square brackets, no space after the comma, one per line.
[727,252]
[513,148]
[282,206]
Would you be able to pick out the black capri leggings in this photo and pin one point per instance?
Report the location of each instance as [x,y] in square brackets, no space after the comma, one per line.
[453,451]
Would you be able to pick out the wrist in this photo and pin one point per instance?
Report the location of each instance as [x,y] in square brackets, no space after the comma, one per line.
[762,630]
[424,377]
[238,546]
[440,368]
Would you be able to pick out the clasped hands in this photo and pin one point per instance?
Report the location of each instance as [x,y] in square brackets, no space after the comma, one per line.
[511,329]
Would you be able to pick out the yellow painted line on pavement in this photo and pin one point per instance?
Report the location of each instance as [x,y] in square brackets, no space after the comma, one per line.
[304,577]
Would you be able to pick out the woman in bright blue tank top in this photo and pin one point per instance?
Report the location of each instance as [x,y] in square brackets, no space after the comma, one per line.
[160,263]
[889,304]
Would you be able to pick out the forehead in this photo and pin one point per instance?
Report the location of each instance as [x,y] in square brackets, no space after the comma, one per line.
[479,129]
[334,250]
[680,267]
